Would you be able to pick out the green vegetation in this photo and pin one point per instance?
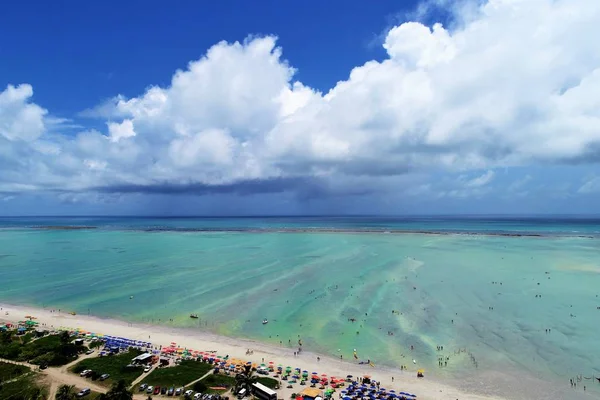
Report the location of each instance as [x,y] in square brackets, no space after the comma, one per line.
[269,382]
[215,380]
[24,388]
[118,391]
[245,380]
[11,371]
[115,365]
[53,350]
[95,344]
[179,375]
[65,392]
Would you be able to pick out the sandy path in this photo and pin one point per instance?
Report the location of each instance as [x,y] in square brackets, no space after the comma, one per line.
[199,379]
[139,379]
[66,378]
[53,390]
[60,377]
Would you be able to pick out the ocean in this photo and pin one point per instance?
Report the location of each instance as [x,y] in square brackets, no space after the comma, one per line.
[508,292]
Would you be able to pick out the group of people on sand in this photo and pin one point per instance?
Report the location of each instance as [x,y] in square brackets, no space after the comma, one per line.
[574,382]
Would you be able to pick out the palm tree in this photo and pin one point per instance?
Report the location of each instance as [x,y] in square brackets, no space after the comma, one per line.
[119,391]
[65,392]
[244,380]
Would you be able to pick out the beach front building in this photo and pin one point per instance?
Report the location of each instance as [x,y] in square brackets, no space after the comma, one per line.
[142,359]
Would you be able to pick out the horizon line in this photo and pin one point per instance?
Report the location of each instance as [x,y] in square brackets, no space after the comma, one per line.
[505,215]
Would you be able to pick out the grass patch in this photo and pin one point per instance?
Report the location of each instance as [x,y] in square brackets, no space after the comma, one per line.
[115,365]
[11,371]
[215,380]
[52,350]
[24,388]
[269,382]
[179,375]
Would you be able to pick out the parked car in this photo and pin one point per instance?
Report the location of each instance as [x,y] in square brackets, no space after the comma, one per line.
[85,372]
[104,377]
[90,351]
[197,396]
[188,393]
[147,369]
[163,390]
[143,387]
[178,391]
[150,389]
[84,392]
[171,391]
[157,390]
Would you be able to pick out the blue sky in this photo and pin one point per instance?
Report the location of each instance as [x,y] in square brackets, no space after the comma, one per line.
[314,107]
[77,54]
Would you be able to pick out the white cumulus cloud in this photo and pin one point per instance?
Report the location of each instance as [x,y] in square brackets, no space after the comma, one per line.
[20,119]
[513,83]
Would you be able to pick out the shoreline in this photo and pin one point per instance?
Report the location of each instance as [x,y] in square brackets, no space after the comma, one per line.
[488,385]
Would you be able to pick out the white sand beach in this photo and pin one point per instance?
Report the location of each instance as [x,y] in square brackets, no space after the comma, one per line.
[424,388]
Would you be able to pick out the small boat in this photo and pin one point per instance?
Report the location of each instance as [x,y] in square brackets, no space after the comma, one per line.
[265,321]
[195,316]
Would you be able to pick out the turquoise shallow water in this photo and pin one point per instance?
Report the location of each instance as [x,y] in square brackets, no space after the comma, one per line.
[310,284]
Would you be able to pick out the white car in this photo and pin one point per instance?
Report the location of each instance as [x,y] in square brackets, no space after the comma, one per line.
[197,396]
[262,371]
[147,369]
[188,393]
[150,389]
[85,372]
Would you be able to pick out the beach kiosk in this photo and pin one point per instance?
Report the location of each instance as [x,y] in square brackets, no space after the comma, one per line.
[142,359]
[311,394]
